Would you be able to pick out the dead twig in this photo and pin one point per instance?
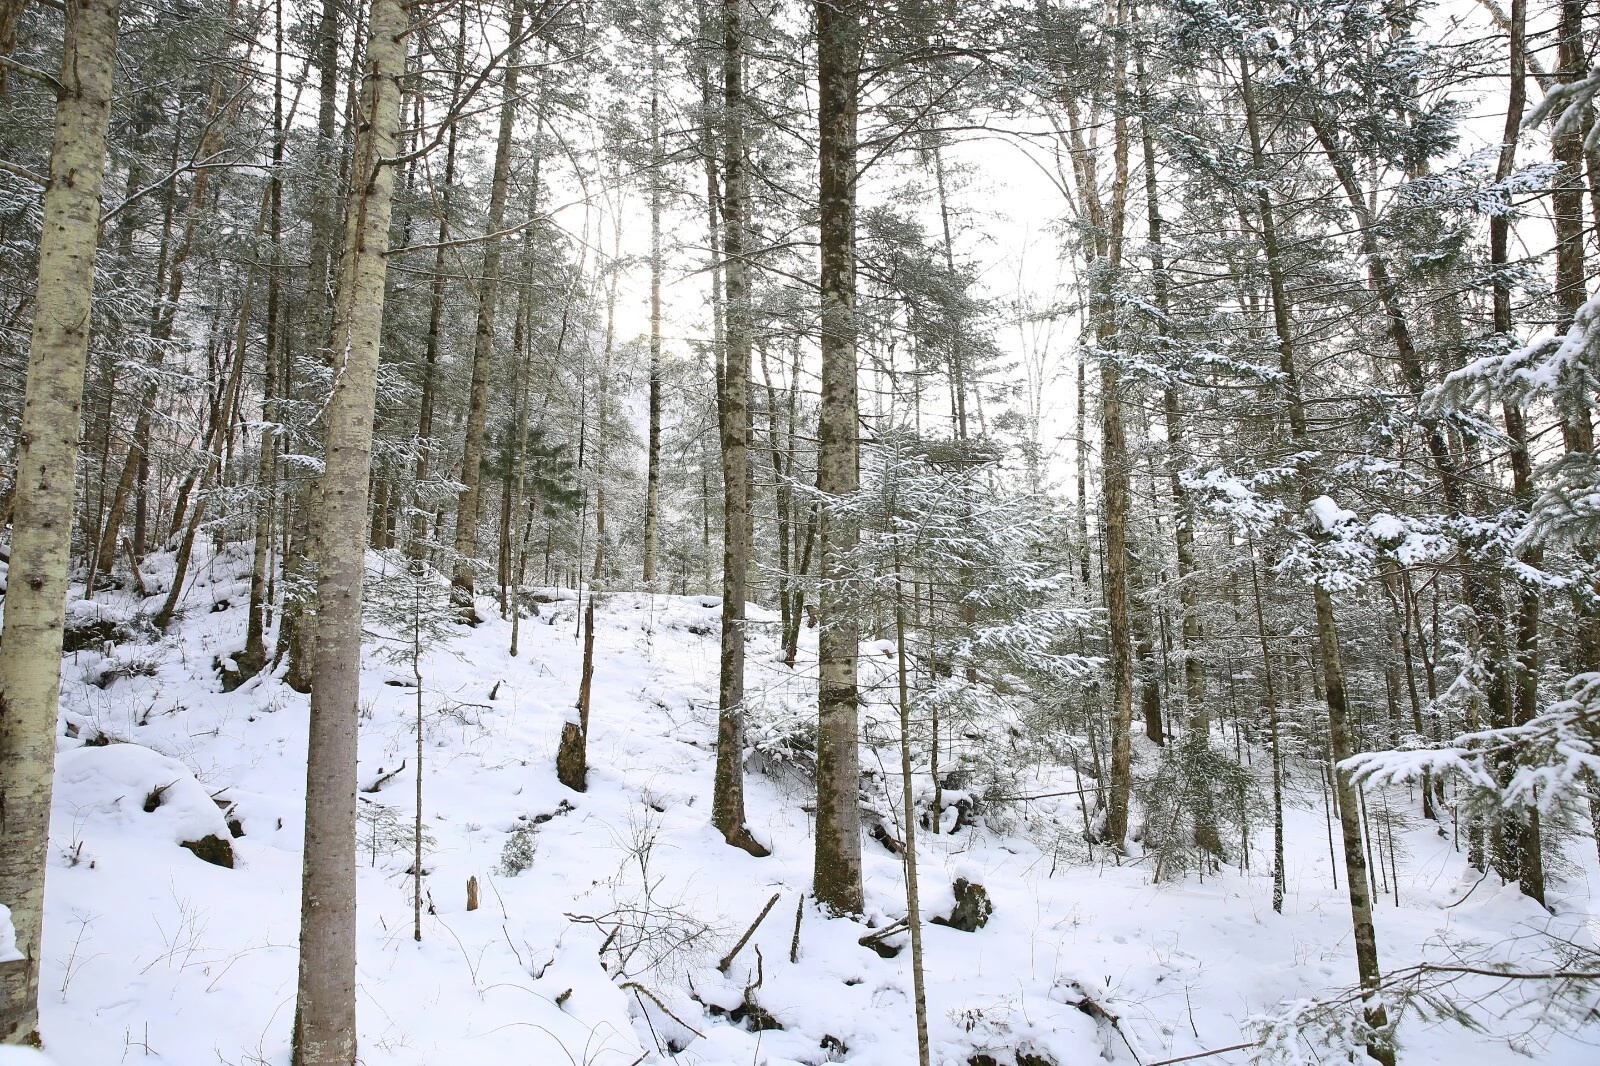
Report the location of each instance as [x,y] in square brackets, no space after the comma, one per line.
[727,960]
[383,778]
[637,988]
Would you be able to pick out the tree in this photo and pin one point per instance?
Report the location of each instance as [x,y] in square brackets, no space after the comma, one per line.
[325,1006]
[733,411]
[483,337]
[42,508]
[836,875]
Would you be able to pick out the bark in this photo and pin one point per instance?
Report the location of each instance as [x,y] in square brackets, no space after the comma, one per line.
[41,541]
[602,423]
[524,351]
[958,374]
[837,866]
[466,545]
[1191,633]
[523,348]
[325,1011]
[1479,588]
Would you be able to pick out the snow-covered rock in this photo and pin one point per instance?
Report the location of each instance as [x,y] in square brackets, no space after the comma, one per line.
[136,791]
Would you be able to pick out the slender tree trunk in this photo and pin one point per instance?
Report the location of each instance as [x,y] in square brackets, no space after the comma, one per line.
[325,1009]
[41,539]
[1115,470]
[727,811]
[1526,681]
[294,639]
[461,583]
[602,421]
[958,370]
[1357,882]
[1191,632]
[163,321]
[1479,584]
[837,867]
[254,657]
[652,495]
[908,803]
[523,349]
[436,293]
[1278,872]
[1566,201]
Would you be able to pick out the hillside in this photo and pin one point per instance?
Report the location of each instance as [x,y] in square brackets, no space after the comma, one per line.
[604,949]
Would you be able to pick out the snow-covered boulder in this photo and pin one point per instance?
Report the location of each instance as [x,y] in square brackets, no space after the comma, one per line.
[138,791]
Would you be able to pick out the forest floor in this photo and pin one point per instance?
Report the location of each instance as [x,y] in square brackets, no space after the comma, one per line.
[155,955]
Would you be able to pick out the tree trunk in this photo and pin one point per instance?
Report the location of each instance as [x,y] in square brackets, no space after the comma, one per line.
[1115,466]
[572,757]
[295,639]
[1278,871]
[41,541]
[1366,944]
[1191,631]
[325,1009]
[652,495]
[908,803]
[727,804]
[837,868]
[135,465]
[425,403]
[254,657]
[461,583]
[1526,680]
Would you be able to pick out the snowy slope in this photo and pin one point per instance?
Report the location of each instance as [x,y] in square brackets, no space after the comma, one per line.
[153,953]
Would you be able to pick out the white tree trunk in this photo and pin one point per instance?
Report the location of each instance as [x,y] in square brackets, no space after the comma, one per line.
[41,540]
[325,1010]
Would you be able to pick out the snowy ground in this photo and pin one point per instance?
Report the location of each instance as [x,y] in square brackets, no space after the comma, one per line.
[154,954]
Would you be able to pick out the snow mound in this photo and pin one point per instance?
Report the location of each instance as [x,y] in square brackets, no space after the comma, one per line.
[135,790]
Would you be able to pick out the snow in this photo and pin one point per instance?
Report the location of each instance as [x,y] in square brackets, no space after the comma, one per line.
[1385,527]
[108,789]
[151,952]
[21,1056]
[1327,515]
[8,937]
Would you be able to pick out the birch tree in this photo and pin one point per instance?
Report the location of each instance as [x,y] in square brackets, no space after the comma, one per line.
[42,510]
[325,1005]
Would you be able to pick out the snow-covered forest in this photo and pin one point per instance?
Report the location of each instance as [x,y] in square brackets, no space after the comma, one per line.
[780,532]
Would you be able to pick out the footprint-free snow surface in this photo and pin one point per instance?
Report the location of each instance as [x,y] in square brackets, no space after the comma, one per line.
[603,947]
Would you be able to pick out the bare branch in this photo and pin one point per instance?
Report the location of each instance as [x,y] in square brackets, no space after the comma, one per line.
[25,174]
[512,231]
[7,63]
